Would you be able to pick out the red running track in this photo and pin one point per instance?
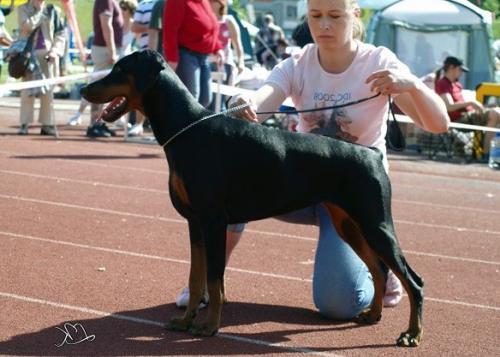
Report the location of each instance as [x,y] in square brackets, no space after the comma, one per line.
[88,236]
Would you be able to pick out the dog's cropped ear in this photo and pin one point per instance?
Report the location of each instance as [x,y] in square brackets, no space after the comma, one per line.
[150,64]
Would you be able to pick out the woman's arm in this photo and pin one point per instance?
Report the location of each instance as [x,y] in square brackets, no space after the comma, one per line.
[106,22]
[451,106]
[415,99]
[234,32]
[267,98]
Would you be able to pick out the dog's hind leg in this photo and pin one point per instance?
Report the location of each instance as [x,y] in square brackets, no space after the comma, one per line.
[197,280]
[386,246]
[215,248]
[351,233]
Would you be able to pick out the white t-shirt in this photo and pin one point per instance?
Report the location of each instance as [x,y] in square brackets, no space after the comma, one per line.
[302,78]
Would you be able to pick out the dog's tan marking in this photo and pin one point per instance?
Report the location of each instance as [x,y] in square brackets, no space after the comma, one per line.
[197,282]
[179,188]
[350,232]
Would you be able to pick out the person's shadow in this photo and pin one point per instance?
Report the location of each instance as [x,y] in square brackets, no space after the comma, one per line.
[141,332]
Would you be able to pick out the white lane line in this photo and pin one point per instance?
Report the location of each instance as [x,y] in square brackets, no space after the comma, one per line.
[451,228]
[126,187]
[172,220]
[97,164]
[450,207]
[84,182]
[93,209]
[461,259]
[462,303]
[146,256]
[407,187]
[186,262]
[123,317]
[165,172]
[282,235]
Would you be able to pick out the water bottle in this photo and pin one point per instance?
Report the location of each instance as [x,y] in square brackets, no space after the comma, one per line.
[494,161]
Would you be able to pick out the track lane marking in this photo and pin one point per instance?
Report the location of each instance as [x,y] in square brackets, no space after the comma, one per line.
[125,187]
[155,323]
[282,235]
[84,182]
[165,219]
[186,262]
[165,172]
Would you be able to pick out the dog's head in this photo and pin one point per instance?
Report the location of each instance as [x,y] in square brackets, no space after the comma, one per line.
[130,78]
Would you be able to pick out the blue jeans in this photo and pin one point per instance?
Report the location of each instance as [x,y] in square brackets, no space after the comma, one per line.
[194,71]
[342,284]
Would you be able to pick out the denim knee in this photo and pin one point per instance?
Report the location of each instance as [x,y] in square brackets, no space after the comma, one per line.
[342,284]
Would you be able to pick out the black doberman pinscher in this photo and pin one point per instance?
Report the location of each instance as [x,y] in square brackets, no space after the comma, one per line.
[226,170]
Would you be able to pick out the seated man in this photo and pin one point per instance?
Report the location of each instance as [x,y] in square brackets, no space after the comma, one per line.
[468,112]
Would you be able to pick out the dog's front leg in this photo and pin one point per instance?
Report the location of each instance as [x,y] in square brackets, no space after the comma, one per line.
[215,248]
[197,280]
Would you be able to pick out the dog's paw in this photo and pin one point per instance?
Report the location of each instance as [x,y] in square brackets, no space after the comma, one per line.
[367,317]
[203,330]
[178,324]
[408,339]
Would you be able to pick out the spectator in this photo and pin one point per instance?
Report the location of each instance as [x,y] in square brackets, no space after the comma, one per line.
[155,33]
[472,112]
[229,35]
[301,34]
[106,49]
[337,69]
[48,46]
[128,8]
[190,35]
[140,27]
[271,43]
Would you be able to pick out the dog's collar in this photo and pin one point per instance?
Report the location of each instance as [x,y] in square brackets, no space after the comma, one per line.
[229,111]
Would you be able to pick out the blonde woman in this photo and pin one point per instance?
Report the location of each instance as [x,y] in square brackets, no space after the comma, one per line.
[48,46]
[336,69]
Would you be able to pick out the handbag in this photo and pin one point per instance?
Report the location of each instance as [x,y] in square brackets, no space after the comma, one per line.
[19,54]
[394,138]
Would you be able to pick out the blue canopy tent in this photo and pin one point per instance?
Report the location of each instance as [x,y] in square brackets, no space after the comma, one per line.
[423,32]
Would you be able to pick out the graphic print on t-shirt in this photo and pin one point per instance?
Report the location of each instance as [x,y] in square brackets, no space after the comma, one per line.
[336,124]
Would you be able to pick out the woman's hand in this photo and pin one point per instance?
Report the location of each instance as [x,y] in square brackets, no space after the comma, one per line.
[220,58]
[388,82]
[247,113]
[51,57]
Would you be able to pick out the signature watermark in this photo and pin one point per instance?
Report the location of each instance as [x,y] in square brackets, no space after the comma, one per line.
[74,334]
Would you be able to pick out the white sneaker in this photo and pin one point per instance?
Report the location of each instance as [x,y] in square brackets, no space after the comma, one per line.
[393,290]
[183,298]
[136,130]
[75,119]
[120,123]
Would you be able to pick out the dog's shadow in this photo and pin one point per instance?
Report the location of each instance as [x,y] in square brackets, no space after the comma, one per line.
[140,332]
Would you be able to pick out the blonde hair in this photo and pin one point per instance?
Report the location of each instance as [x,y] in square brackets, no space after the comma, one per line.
[131,5]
